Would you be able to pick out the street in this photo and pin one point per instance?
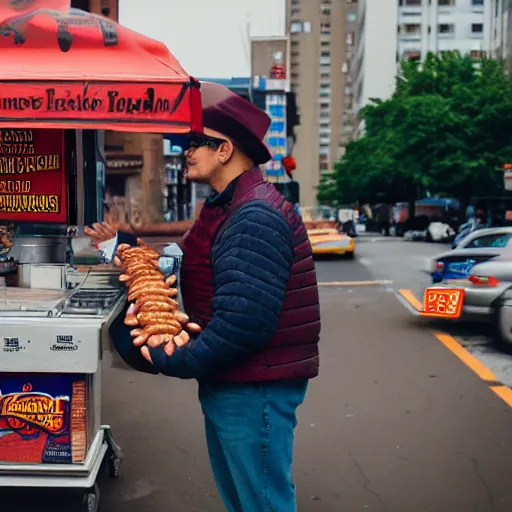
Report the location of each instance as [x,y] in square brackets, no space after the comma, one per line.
[394,423]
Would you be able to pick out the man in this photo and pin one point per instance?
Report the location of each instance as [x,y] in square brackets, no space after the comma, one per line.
[248,279]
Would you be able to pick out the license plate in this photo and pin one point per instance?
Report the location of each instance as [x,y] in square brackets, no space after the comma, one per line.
[443,303]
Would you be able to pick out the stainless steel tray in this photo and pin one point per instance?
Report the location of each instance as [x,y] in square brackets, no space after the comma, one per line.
[30,301]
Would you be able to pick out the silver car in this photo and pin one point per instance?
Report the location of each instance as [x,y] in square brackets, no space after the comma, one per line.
[480,246]
[482,266]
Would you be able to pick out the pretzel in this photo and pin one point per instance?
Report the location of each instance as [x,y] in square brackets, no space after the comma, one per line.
[172,329]
[147,282]
[153,292]
[136,266]
[139,252]
[156,317]
[150,272]
[148,307]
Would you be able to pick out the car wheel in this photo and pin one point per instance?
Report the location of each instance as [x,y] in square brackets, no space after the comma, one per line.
[502,323]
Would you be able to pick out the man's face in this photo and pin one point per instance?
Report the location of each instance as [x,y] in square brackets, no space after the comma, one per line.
[204,156]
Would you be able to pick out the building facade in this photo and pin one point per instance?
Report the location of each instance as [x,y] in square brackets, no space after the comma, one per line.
[318,77]
[348,118]
[269,87]
[500,32]
[410,29]
[440,25]
[375,61]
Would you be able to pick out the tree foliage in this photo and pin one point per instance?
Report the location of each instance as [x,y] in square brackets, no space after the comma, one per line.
[445,130]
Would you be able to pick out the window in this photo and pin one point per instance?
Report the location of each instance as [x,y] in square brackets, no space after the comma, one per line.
[446,28]
[496,240]
[446,3]
[295,2]
[324,114]
[325,43]
[295,27]
[410,3]
[325,28]
[477,28]
[295,11]
[325,126]
[477,3]
[325,75]
[326,11]
[324,166]
[324,86]
[476,54]
[412,28]
[412,55]
[351,17]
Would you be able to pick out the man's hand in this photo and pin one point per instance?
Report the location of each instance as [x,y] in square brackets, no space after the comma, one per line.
[100,231]
[167,341]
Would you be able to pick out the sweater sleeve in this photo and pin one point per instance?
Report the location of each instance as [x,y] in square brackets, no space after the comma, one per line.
[252,259]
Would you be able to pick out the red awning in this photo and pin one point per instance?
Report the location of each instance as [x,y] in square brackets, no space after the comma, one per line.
[65,68]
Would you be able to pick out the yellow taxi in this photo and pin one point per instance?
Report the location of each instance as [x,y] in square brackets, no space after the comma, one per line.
[323,235]
[330,241]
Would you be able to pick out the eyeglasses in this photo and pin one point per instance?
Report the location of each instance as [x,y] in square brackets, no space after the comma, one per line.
[199,141]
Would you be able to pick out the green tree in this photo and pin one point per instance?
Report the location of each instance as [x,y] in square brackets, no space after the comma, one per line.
[446,128]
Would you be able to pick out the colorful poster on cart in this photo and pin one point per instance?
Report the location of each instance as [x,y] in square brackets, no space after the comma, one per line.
[32,176]
[42,418]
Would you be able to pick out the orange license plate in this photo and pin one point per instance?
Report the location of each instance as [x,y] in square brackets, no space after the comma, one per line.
[443,303]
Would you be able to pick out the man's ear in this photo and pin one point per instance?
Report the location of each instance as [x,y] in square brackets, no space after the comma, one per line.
[226,151]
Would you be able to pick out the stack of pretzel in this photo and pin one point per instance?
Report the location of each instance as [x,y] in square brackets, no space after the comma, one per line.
[155,307]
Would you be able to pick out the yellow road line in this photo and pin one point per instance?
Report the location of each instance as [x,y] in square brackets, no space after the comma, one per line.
[355,283]
[504,392]
[411,299]
[468,359]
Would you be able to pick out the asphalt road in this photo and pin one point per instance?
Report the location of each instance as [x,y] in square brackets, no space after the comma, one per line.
[394,423]
[403,264]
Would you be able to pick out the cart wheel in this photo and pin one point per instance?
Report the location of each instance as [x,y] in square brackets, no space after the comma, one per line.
[114,464]
[91,501]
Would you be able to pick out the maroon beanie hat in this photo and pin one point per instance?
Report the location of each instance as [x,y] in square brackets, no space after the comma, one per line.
[228,113]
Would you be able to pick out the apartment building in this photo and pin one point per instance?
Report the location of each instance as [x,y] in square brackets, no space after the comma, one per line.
[409,29]
[348,117]
[375,61]
[500,32]
[318,69]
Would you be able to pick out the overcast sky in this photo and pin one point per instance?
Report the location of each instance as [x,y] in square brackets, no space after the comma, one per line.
[208,37]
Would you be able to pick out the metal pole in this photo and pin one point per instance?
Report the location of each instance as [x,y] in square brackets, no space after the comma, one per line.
[248,28]
[80,187]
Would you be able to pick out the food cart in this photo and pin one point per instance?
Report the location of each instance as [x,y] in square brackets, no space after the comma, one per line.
[65,75]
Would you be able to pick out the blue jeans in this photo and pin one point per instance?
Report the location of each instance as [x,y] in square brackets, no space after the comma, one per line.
[250,433]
